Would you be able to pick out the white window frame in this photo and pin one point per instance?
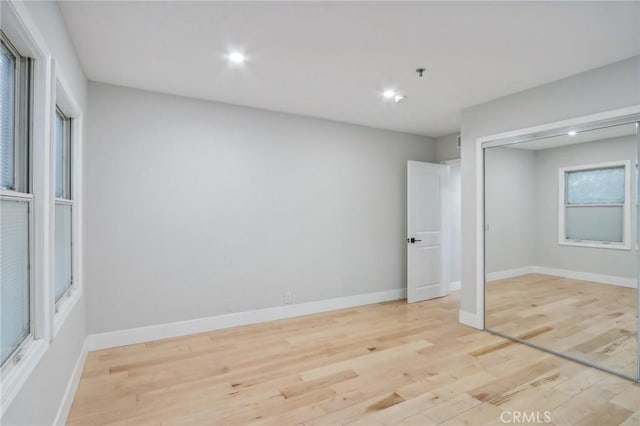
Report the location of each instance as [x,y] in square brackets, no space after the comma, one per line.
[626,207]
[71,109]
[23,33]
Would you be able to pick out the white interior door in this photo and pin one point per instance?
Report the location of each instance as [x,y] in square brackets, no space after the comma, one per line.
[428,236]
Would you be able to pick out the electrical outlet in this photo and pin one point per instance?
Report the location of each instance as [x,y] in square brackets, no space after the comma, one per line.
[288,297]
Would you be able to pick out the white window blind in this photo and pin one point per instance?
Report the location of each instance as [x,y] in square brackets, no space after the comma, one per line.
[7,117]
[14,273]
[602,223]
[597,186]
[62,249]
[59,148]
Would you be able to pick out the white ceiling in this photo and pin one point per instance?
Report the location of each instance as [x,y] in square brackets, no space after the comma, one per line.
[333,59]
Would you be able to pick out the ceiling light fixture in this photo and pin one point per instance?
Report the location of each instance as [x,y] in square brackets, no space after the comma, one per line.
[236,57]
[389,94]
[572,133]
[393,95]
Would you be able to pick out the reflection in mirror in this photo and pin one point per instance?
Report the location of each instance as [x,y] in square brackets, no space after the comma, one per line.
[561,255]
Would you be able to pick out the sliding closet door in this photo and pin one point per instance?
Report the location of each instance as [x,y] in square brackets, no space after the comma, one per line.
[561,238]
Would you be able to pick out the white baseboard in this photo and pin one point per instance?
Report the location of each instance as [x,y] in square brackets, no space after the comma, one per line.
[471,319]
[510,273]
[476,321]
[132,336]
[564,273]
[72,386]
[588,276]
[454,286]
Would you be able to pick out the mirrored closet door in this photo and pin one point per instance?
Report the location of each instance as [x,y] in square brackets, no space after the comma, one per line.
[561,243]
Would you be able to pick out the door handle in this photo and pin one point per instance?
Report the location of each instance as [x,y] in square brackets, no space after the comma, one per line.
[412,240]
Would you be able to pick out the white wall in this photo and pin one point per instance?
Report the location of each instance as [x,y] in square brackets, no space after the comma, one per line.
[195,206]
[607,88]
[447,147]
[510,208]
[621,263]
[39,399]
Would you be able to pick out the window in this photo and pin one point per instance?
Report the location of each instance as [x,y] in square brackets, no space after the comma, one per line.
[63,208]
[40,212]
[594,209]
[16,290]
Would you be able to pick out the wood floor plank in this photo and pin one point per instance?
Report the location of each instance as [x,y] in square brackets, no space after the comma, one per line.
[382,364]
[593,322]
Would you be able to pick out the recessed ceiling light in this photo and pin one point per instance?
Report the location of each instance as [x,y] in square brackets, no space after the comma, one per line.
[389,94]
[399,98]
[236,57]
[572,133]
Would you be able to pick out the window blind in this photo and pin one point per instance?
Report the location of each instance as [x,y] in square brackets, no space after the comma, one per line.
[601,223]
[599,186]
[62,249]
[7,117]
[59,155]
[14,275]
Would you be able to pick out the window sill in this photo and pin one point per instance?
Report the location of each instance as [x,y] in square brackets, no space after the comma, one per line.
[65,310]
[592,244]
[19,373]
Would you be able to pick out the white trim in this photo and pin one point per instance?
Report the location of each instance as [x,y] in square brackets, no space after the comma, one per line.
[594,244]
[563,273]
[588,276]
[72,386]
[66,307]
[511,273]
[499,139]
[479,238]
[25,32]
[63,201]
[6,194]
[496,139]
[132,336]
[471,319]
[626,206]
[454,286]
[20,372]
[70,107]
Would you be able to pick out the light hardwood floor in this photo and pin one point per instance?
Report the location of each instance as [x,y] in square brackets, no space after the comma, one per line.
[389,363]
[597,323]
